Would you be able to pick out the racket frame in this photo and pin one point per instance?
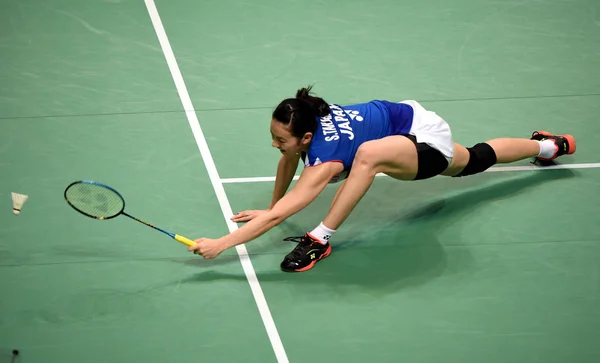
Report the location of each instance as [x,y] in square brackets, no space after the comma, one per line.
[178,238]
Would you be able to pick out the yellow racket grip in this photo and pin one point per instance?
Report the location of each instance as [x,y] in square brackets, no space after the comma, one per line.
[185,241]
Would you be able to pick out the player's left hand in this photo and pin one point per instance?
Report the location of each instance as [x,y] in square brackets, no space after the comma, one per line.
[207,247]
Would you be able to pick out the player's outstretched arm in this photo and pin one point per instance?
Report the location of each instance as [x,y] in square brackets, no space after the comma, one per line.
[310,184]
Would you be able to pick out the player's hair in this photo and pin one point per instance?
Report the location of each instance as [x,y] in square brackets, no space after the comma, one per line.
[301,113]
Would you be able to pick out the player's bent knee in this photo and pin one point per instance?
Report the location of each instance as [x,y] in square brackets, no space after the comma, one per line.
[481,157]
[366,159]
[365,156]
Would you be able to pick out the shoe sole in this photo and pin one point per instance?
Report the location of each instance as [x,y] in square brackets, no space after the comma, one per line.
[570,140]
[312,264]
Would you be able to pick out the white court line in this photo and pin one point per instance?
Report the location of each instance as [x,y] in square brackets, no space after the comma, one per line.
[492,169]
[216,181]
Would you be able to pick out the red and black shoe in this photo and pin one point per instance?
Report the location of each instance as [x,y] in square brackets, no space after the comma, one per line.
[305,255]
[565,144]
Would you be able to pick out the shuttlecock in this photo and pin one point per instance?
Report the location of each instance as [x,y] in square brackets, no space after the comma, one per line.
[18,201]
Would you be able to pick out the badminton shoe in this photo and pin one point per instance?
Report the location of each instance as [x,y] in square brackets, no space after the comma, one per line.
[305,255]
[565,144]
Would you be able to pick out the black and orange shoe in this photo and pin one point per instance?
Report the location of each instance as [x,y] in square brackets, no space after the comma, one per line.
[305,255]
[565,144]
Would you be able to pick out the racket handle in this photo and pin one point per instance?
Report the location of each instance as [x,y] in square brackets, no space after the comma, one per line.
[185,241]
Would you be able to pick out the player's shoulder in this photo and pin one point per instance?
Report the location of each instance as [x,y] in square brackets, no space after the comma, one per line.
[369,103]
[366,105]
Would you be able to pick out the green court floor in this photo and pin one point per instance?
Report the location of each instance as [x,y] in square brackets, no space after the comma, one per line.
[499,267]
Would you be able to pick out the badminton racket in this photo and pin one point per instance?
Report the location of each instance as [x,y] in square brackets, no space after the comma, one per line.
[99,201]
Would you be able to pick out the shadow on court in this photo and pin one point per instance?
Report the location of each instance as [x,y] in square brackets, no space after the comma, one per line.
[397,252]
[448,209]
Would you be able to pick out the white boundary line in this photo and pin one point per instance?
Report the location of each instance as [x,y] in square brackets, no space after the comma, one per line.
[492,169]
[216,181]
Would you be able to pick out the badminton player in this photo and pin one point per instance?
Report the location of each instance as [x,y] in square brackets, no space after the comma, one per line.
[351,144]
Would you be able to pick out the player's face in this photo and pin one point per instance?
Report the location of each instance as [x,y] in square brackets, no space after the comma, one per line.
[284,140]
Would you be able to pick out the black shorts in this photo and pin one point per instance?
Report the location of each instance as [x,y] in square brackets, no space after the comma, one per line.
[431,161]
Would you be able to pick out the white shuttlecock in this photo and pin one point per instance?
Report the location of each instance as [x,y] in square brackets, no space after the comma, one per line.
[18,201]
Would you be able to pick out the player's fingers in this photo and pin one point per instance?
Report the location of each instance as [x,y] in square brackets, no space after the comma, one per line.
[242,216]
[196,248]
[237,215]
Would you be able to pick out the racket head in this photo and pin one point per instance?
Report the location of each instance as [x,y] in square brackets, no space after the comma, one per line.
[94,199]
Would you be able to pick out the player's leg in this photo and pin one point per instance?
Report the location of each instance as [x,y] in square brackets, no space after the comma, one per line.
[337,193]
[394,155]
[425,152]
[478,158]
[404,158]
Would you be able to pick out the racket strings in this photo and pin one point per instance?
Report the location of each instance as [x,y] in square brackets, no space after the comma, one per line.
[95,200]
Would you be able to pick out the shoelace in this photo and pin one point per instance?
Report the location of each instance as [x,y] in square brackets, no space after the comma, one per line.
[297,239]
[304,243]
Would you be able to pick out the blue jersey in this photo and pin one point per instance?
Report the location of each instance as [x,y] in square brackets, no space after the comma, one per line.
[340,133]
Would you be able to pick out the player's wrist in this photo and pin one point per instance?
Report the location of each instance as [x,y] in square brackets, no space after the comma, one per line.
[228,242]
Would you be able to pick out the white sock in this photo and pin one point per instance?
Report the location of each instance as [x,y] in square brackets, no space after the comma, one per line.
[547,148]
[322,233]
